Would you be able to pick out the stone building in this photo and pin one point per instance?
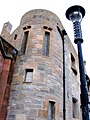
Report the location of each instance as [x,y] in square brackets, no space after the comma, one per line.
[7,60]
[36,77]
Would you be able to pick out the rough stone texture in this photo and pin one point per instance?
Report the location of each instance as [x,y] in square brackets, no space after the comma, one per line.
[6,30]
[4,88]
[29,101]
[1,64]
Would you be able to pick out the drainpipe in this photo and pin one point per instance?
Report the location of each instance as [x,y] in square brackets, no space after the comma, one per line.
[62,34]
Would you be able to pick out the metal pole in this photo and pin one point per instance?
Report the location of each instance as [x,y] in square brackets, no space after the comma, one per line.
[84,93]
[75,14]
[63,34]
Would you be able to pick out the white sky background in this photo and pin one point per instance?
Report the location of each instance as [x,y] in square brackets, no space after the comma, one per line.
[13,10]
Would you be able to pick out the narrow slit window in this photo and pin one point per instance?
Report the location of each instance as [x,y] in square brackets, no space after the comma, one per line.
[51,110]
[15,37]
[24,43]
[74,108]
[73,65]
[29,75]
[46,43]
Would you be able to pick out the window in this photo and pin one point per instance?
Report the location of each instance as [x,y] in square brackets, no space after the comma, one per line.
[15,37]
[74,108]
[73,65]
[24,43]
[51,110]
[87,82]
[24,28]
[46,43]
[29,75]
[89,110]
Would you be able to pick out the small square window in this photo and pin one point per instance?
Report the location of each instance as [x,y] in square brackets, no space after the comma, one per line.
[29,75]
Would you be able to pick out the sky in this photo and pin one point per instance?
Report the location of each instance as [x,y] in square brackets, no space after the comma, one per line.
[13,10]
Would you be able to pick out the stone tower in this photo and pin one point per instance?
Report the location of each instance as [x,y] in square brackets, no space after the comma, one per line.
[37,84]
[6,30]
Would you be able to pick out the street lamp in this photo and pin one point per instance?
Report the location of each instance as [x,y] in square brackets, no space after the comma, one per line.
[75,14]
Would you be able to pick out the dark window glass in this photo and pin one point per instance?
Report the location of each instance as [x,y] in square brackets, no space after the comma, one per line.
[15,37]
[24,43]
[51,110]
[29,75]
[46,43]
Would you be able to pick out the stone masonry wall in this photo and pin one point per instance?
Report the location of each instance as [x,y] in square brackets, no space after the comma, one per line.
[29,101]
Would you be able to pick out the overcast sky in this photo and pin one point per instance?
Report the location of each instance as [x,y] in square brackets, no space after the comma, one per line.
[13,10]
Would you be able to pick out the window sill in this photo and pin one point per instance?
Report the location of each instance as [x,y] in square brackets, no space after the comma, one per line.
[26,82]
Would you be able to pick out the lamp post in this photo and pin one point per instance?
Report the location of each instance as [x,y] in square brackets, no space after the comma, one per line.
[75,14]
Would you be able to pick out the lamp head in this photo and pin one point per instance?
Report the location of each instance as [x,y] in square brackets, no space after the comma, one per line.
[75,13]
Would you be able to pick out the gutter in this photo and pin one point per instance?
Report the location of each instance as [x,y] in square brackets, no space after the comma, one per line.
[62,34]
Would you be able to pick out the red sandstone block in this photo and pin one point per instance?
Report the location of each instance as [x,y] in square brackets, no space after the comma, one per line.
[45,104]
[5,73]
[42,113]
[7,63]
[6,67]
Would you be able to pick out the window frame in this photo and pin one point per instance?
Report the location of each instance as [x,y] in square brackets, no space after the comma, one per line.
[51,110]
[46,43]
[24,42]
[31,72]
